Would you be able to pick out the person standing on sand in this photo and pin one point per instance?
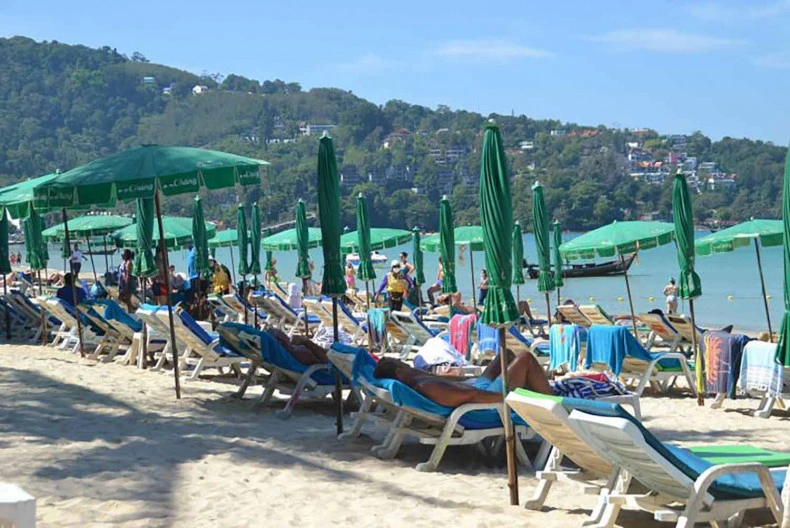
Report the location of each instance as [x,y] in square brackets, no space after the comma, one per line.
[351,277]
[437,286]
[126,285]
[671,293]
[483,286]
[76,259]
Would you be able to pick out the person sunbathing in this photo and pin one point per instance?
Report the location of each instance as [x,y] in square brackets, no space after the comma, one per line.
[301,347]
[455,300]
[523,372]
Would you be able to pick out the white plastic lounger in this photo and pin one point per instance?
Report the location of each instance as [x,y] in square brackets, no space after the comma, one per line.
[417,332]
[221,309]
[683,488]
[111,342]
[662,333]
[58,309]
[158,328]
[595,314]
[571,313]
[347,321]
[233,300]
[682,324]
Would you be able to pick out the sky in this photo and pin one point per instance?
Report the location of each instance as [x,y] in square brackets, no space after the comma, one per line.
[719,67]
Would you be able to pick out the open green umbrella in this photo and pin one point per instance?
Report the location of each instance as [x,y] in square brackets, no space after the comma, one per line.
[766,233]
[540,224]
[143,238]
[302,243]
[557,232]
[332,284]
[244,242]
[288,240]
[690,284]
[255,240]
[499,310]
[177,231]
[447,246]
[224,238]
[518,259]
[471,236]
[783,348]
[269,265]
[199,237]
[18,198]
[148,172]
[380,238]
[419,271]
[5,266]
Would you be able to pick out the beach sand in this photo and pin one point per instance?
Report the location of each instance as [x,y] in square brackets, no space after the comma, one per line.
[102,444]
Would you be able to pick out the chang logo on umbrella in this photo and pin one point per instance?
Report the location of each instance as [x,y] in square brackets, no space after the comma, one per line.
[135,189]
[180,183]
[60,196]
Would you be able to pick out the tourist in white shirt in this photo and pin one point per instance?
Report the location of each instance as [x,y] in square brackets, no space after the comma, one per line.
[76,260]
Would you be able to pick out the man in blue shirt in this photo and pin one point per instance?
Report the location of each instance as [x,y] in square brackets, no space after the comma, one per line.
[66,292]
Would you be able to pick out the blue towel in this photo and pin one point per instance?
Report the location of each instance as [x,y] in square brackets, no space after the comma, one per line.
[114,312]
[611,344]
[759,370]
[378,324]
[565,342]
[488,339]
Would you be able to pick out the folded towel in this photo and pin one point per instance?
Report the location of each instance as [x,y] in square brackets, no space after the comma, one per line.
[461,327]
[565,345]
[759,371]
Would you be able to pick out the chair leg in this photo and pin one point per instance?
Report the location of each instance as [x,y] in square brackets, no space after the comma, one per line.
[294,399]
[198,368]
[359,421]
[718,401]
[268,389]
[247,380]
[766,406]
[392,442]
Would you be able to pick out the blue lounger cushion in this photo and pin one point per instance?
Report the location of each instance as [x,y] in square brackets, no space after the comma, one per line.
[403,395]
[204,336]
[114,313]
[746,485]
[610,345]
[488,339]
[311,319]
[25,299]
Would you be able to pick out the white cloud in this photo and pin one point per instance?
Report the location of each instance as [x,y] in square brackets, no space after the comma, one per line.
[713,12]
[489,50]
[777,61]
[666,40]
[368,62]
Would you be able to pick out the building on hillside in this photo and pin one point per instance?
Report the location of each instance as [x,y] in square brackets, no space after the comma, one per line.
[395,136]
[675,158]
[445,180]
[689,164]
[149,80]
[558,133]
[199,89]
[721,181]
[403,173]
[652,172]
[633,145]
[350,176]
[708,167]
[526,145]
[453,154]
[278,124]
[308,129]
[638,156]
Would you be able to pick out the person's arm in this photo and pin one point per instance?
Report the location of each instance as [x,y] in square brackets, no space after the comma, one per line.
[382,286]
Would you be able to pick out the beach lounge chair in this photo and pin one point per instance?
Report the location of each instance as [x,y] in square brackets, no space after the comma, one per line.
[19,320]
[662,333]
[763,377]
[34,313]
[417,330]
[567,344]
[158,331]
[596,314]
[241,307]
[614,348]
[222,311]
[683,486]
[487,344]
[571,314]
[322,309]
[287,375]
[203,350]
[682,324]
[65,312]
[112,340]
[284,317]
[406,413]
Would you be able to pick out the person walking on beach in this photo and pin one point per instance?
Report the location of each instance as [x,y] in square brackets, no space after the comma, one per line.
[437,286]
[406,267]
[76,259]
[396,286]
[671,293]
[351,277]
[483,286]
[126,286]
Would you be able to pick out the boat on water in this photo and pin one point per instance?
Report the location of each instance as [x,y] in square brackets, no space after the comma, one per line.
[602,269]
[379,259]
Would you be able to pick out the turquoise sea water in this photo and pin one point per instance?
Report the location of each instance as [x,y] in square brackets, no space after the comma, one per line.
[730,281]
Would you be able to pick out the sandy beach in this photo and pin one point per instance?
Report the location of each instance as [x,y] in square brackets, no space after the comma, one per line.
[102,444]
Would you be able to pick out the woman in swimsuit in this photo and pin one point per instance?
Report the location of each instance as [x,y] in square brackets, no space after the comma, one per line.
[671,293]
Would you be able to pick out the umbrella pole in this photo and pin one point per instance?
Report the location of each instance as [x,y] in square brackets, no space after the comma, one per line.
[255,310]
[169,297]
[367,315]
[548,308]
[762,285]
[93,264]
[74,287]
[7,315]
[232,266]
[143,359]
[698,366]
[43,317]
[106,258]
[472,267]
[338,389]
[510,439]
[630,299]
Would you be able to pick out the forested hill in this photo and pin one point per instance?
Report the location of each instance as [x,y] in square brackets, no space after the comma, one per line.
[63,105]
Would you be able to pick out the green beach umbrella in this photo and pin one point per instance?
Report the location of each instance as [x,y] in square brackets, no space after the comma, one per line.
[224,238]
[447,246]
[18,198]
[332,284]
[365,270]
[380,238]
[419,271]
[199,237]
[255,240]
[518,256]
[471,236]
[87,226]
[5,266]
[288,240]
[144,264]
[766,233]
[690,284]
[499,310]
[177,229]
[557,233]
[34,244]
[302,242]
[243,241]
[269,266]
[540,224]
[783,348]
[618,238]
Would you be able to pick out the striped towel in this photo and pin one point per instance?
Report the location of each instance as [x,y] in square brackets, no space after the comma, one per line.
[759,371]
[722,353]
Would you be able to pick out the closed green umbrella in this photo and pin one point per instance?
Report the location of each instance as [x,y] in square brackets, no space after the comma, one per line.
[447,246]
[288,240]
[690,284]
[419,271]
[5,266]
[499,310]
[518,259]
[200,238]
[34,244]
[365,270]
[333,284]
[540,224]
[244,242]
[766,233]
[143,241]
[380,238]
[783,348]
[177,231]
[557,232]
[302,243]
[255,241]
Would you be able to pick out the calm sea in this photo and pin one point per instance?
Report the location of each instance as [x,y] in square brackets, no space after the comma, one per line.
[730,281]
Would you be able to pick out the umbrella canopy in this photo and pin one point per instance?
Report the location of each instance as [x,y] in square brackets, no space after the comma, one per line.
[471,236]
[287,240]
[419,272]
[255,240]
[17,198]
[557,232]
[365,270]
[380,238]
[447,246]
[138,172]
[178,233]
[333,284]
[618,237]
[199,237]
[144,263]
[243,241]
[783,348]
[225,238]
[35,247]
[540,223]
[496,217]
[302,242]
[5,263]
[518,255]
[86,226]
[768,232]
